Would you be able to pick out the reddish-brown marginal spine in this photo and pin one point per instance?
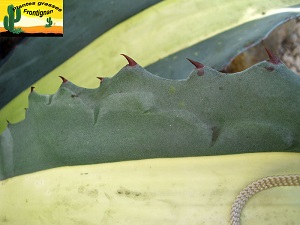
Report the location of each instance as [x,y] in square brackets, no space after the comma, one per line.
[101,79]
[273,58]
[198,65]
[63,79]
[131,62]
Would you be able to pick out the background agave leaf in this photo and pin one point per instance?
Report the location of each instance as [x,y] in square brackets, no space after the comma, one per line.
[37,56]
[218,51]
[198,190]
[157,25]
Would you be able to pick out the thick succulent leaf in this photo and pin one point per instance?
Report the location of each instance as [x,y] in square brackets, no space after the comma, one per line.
[36,57]
[198,190]
[157,25]
[137,115]
[218,51]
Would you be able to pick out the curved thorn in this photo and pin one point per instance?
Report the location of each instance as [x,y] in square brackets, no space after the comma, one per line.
[31,89]
[131,62]
[273,58]
[64,80]
[101,79]
[198,65]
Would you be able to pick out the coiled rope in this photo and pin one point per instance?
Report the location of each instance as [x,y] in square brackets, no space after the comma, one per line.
[257,186]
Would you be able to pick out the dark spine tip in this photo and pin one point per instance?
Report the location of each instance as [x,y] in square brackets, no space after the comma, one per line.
[101,79]
[131,62]
[31,89]
[8,123]
[198,65]
[64,80]
[273,58]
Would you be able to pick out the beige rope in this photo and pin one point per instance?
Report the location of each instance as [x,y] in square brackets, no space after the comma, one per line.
[257,186]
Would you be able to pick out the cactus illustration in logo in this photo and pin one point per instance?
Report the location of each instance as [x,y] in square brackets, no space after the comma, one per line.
[10,20]
[49,21]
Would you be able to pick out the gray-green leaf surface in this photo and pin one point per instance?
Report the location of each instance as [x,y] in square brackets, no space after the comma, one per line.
[137,115]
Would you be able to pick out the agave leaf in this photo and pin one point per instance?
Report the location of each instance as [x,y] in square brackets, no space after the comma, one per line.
[137,115]
[36,57]
[100,58]
[198,190]
[218,51]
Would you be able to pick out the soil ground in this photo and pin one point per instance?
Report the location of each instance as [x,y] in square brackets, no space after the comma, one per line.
[284,41]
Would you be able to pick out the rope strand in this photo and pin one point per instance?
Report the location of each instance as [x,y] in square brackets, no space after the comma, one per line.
[257,186]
